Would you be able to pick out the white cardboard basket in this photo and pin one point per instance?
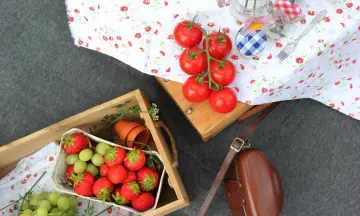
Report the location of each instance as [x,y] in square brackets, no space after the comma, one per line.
[60,169]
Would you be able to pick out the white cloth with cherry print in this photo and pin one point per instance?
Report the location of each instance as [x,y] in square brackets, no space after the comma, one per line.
[323,67]
[28,171]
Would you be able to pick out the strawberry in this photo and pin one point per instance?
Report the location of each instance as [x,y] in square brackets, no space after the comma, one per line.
[69,173]
[74,143]
[83,183]
[104,169]
[117,174]
[118,198]
[135,160]
[130,190]
[143,202]
[131,177]
[148,179]
[102,188]
[114,156]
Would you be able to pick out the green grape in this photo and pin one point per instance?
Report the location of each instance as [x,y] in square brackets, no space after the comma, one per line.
[85,154]
[73,202]
[71,212]
[55,210]
[79,166]
[43,195]
[71,159]
[45,204]
[63,203]
[92,169]
[101,148]
[53,197]
[97,160]
[33,201]
[23,214]
[41,211]
[27,211]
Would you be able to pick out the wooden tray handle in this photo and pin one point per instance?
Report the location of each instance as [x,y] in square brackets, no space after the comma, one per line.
[160,124]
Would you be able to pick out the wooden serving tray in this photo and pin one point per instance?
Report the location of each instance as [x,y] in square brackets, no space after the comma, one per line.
[172,197]
[207,122]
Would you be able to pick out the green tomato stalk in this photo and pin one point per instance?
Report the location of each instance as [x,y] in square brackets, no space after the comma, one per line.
[212,84]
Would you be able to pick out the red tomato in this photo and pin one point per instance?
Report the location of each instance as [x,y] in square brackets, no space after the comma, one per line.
[187,34]
[194,91]
[223,101]
[219,47]
[223,72]
[191,62]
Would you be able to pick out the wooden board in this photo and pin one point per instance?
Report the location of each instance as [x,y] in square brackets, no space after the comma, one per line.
[207,122]
[171,198]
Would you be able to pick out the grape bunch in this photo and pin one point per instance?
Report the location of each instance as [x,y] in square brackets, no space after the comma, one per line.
[86,160]
[49,204]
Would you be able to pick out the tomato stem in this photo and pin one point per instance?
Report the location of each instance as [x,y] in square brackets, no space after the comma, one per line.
[215,59]
[214,37]
[209,58]
[207,55]
[199,51]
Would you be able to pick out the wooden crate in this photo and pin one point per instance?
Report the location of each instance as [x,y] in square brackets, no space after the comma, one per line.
[207,122]
[172,197]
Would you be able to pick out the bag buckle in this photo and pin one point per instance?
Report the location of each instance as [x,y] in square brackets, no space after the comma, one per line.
[234,146]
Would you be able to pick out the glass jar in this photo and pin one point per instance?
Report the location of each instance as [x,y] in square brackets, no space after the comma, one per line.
[279,28]
[247,8]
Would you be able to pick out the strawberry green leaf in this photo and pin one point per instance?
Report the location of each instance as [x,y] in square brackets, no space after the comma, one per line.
[148,183]
[104,194]
[68,141]
[111,154]
[77,178]
[133,156]
[120,200]
[134,187]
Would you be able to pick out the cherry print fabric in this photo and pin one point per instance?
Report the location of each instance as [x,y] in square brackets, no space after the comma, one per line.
[324,66]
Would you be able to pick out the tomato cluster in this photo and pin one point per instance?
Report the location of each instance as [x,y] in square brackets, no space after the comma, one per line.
[194,61]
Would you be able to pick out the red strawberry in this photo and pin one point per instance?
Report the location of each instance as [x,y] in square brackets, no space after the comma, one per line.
[102,188]
[118,198]
[104,169]
[135,160]
[74,143]
[130,190]
[69,173]
[143,202]
[117,174]
[131,177]
[114,156]
[83,183]
[148,179]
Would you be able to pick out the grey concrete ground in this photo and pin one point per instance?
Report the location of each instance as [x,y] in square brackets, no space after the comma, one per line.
[44,79]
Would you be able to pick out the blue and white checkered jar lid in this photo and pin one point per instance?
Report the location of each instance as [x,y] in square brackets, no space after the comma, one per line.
[252,43]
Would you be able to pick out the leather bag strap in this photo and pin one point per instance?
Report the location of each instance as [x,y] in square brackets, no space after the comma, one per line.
[235,147]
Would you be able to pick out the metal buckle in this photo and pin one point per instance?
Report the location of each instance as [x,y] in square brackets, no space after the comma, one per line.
[238,149]
[234,147]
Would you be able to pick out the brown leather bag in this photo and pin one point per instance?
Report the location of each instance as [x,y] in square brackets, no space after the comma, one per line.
[253,185]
